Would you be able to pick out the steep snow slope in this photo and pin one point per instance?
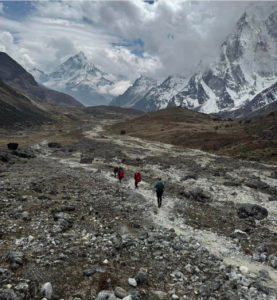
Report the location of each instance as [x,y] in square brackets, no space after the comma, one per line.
[264,102]
[159,96]
[135,92]
[247,66]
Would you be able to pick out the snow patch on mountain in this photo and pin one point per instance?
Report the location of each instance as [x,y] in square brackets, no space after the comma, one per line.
[80,78]
[135,92]
[159,96]
[247,66]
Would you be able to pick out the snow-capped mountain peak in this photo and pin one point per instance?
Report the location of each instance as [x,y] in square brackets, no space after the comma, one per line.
[247,65]
[79,77]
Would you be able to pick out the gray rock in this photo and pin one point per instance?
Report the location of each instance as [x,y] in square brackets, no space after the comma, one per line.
[46,290]
[239,234]
[93,270]
[132,282]
[273,261]
[256,183]
[5,275]
[158,295]
[246,210]
[26,216]
[199,195]
[106,295]
[16,257]
[8,294]
[120,292]
[142,277]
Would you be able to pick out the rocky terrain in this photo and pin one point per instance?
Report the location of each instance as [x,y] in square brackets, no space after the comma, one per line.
[70,230]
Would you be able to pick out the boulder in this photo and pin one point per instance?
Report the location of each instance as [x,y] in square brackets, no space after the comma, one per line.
[239,234]
[120,292]
[246,210]
[12,146]
[5,156]
[274,174]
[142,277]
[106,295]
[132,282]
[256,184]
[54,145]
[46,290]
[199,195]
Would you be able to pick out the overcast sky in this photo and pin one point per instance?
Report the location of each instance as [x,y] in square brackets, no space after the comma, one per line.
[129,38]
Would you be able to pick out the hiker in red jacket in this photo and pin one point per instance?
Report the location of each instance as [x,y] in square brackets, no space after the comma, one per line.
[120,174]
[137,178]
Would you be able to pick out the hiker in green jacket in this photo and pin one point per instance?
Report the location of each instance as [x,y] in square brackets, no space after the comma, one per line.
[159,188]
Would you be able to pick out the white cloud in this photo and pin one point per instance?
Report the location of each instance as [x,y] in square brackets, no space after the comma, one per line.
[116,89]
[6,41]
[176,34]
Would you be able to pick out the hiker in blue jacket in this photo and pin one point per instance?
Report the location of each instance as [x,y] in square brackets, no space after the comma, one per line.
[159,188]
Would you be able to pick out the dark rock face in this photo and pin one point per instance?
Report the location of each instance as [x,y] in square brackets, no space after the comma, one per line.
[12,146]
[246,210]
[54,145]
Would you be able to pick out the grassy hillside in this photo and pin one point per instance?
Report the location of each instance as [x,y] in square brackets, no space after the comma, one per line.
[253,139]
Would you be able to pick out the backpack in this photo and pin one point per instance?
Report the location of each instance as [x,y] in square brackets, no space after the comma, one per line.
[138,177]
[121,173]
[159,187]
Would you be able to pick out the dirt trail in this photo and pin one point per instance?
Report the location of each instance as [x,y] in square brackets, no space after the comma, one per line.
[219,245]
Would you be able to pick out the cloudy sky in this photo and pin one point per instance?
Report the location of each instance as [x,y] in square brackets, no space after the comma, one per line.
[128,38]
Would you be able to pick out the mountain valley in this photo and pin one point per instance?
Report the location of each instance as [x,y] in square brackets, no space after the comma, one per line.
[70,230]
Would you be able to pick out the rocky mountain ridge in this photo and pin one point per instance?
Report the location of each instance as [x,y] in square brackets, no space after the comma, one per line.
[246,68]
[17,77]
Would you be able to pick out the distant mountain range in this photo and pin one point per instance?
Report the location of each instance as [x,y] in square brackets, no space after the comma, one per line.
[244,78]
[15,76]
[81,79]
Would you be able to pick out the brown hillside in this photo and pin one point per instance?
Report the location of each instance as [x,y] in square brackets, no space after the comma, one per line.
[253,139]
